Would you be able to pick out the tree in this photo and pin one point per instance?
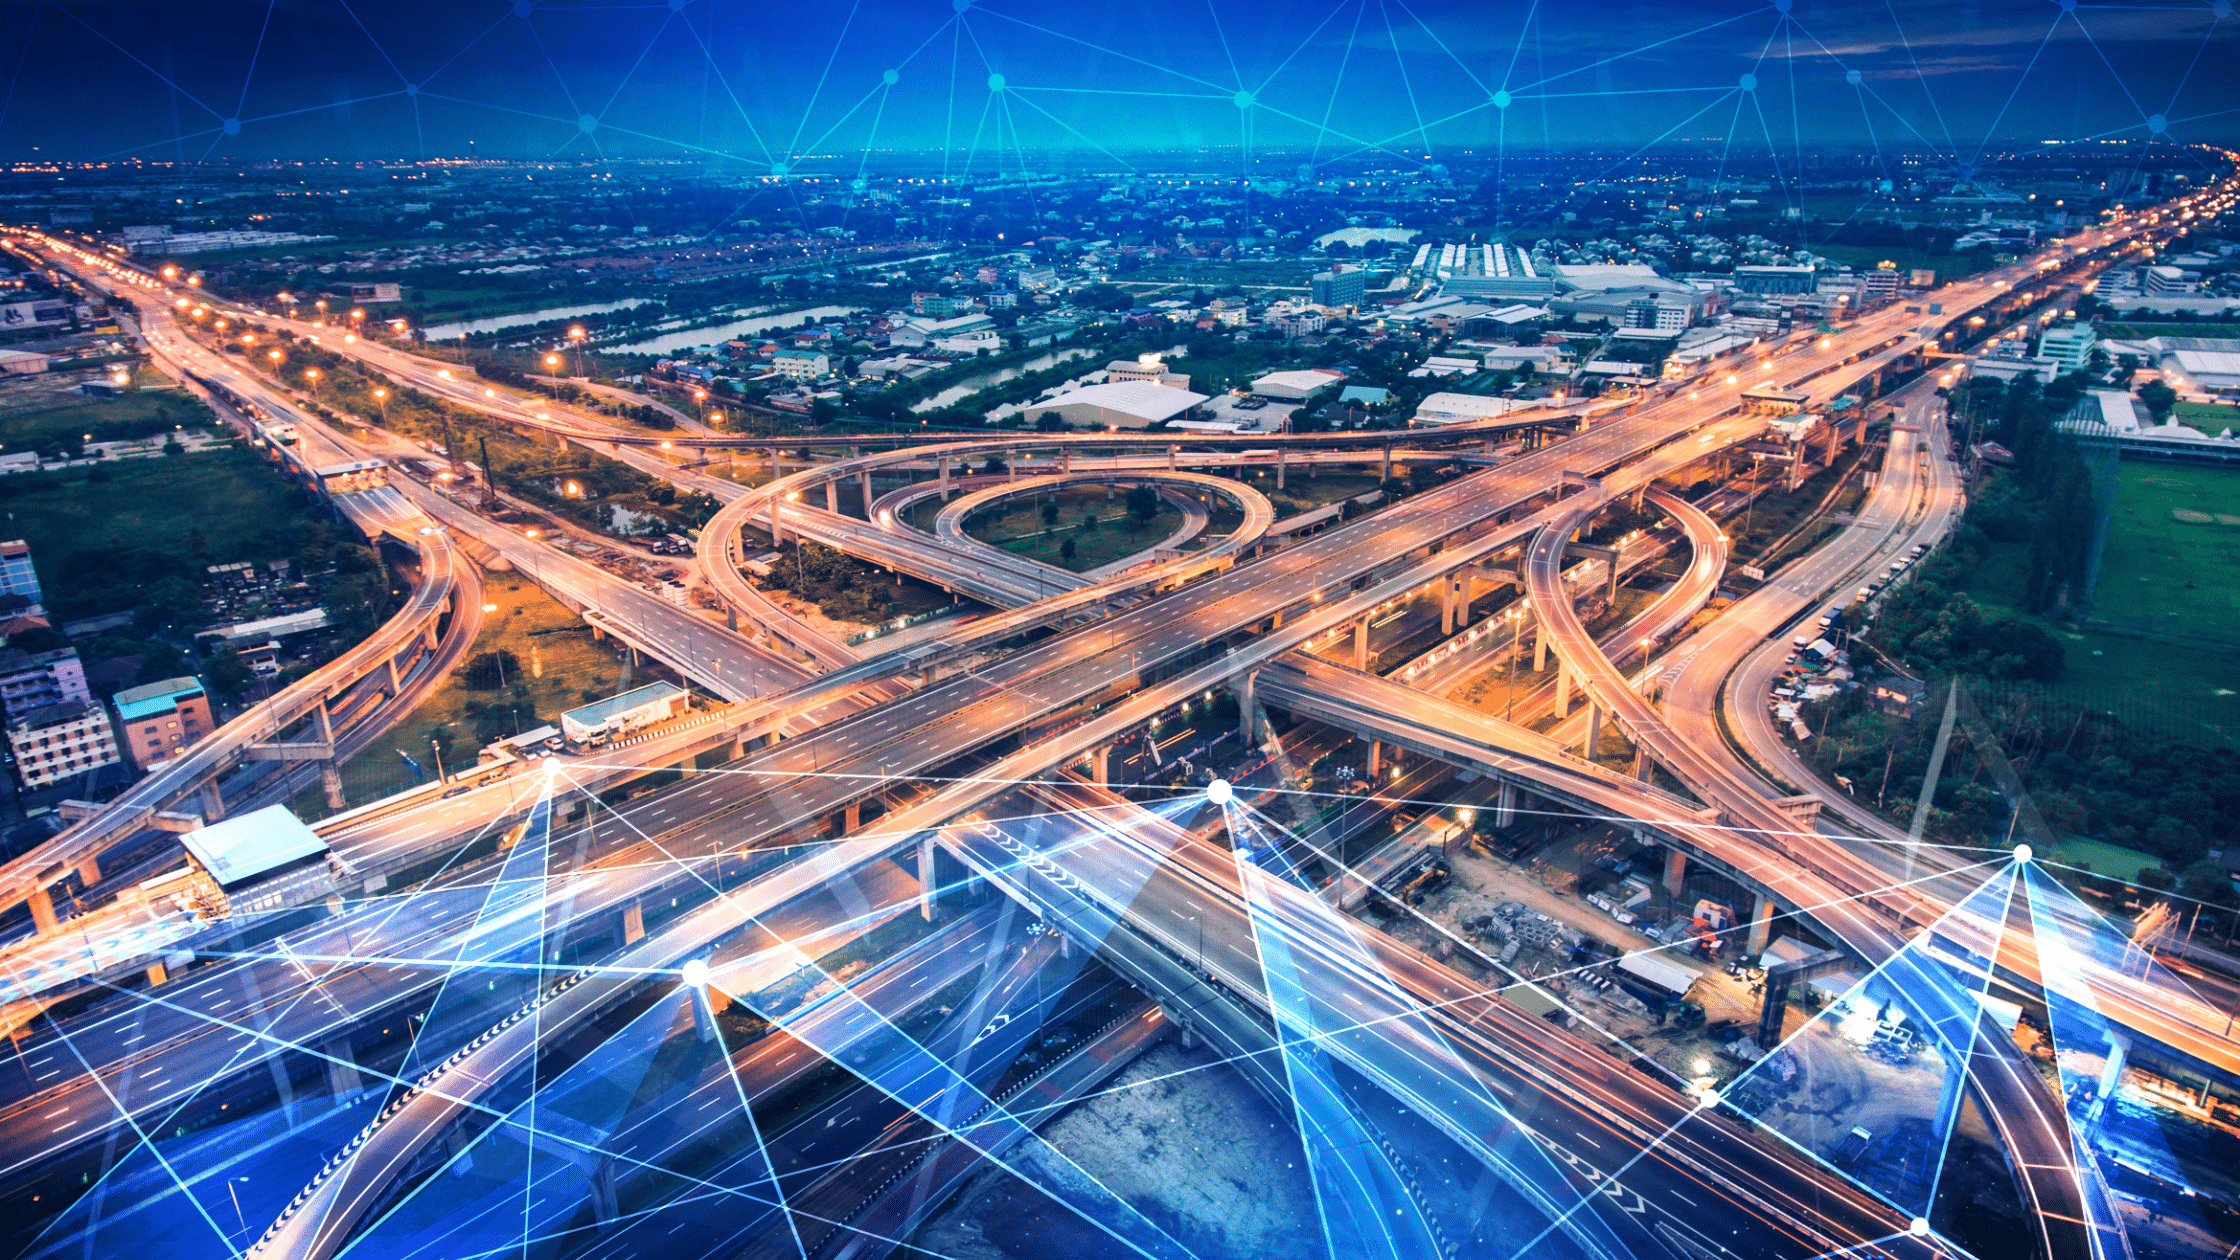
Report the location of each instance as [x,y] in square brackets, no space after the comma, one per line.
[1067,549]
[2159,398]
[226,671]
[1049,422]
[489,671]
[1143,504]
[1049,513]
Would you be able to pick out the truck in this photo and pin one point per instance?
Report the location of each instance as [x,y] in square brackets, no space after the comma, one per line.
[1851,1149]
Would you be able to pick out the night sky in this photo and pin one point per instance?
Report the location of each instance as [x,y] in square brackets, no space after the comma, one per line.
[817,85]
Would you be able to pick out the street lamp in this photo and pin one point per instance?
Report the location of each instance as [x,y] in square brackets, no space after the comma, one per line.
[313,373]
[382,396]
[552,360]
[577,336]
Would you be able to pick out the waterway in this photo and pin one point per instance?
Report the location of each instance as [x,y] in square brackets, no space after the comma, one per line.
[521,319]
[686,339]
[981,380]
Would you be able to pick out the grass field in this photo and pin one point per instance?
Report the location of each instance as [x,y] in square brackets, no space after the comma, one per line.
[241,510]
[2138,331]
[1949,267]
[2164,572]
[125,418]
[2209,418]
[2104,858]
[1020,530]
[563,668]
[2179,685]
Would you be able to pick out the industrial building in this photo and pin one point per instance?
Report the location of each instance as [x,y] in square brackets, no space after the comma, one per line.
[1122,405]
[601,721]
[1338,288]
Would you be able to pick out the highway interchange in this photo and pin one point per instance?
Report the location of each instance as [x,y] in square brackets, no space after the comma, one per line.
[981,747]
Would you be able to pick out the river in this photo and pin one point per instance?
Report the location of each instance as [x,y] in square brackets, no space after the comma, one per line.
[499,323]
[686,339]
[981,380]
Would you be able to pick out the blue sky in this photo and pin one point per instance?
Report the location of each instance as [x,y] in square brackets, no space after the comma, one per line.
[818,83]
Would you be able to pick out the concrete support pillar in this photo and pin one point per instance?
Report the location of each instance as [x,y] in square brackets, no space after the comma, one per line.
[851,819]
[863,486]
[1376,757]
[396,681]
[1281,453]
[1539,648]
[926,888]
[633,923]
[1594,729]
[1446,605]
[326,724]
[1361,644]
[703,1016]
[605,1204]
[1675,871]
[157,975]
[1761,927]
[1505,805]
[89,870]
[2119,1052]
[343,1080]
[1100,764]
[1170,457]
[1563,687]
[1385,474]
[1643,764]
[42,910]
[944,475]
[730,618]
[428,636]
[330,778]
[1488,447]
[832,496]
[213,802]
[1065,460]
[777,525]
[1247,728]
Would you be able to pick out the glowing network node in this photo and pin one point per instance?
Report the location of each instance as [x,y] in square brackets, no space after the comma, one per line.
[1502,98]
[233,126]
[891,77]
[523,8]
[1749,83]
[412,89]
[1853,77]
[1243,99]
[960,5]
[587,123]
[1781,6]
[1919,1228]
[995,83]
[2222,8]
[2022,853]
[1709,1100]
[695,973]
[778,169]
[1219,792]
[2157,124]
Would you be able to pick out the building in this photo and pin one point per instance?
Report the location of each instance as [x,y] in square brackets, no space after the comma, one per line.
[1145,368]
[920,332]
[1921,278]
[1122,405]
[1879,286]
[601,721]
[262,860]
[1001,299]
[60,741]
[2156,281]
[162,718]
[2201,364]
[801,365]
[31,680]
[377,291]
[22,363]
[1658,314]
[1296,386]
[1554,360]
[2069,347]
[1338,288]
[17,576]
[1439,409]
[1762,279]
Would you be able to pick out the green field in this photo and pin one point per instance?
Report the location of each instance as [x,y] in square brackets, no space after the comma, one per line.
[1949,267]
[2136,331]
[2161,664]
[220,506]
[1020,531]
[2165,572]
[2104,858]
[2208,418]
[131,416]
